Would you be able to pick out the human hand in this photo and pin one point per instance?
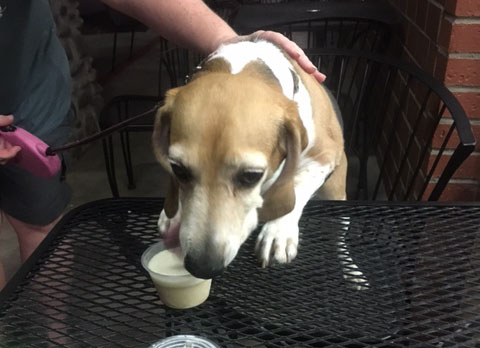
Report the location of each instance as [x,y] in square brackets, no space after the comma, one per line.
[288,46]
[7,150]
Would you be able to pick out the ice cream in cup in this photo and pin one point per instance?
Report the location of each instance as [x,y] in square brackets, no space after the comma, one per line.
[176,287]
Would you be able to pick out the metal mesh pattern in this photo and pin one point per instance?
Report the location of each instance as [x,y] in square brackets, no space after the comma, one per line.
[419,284]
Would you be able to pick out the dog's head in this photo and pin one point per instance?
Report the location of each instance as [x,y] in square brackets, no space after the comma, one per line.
[231,144]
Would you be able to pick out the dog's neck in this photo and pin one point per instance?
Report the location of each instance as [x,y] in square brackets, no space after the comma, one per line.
[239,54]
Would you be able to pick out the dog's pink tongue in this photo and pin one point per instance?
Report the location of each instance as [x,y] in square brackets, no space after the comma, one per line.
[171,238]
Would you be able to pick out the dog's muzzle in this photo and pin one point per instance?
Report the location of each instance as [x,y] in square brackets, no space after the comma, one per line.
[205,265]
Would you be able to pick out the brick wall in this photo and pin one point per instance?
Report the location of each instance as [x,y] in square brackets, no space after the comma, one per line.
[443,37]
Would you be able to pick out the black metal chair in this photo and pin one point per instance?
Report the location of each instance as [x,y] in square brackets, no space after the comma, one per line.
[107,20]
[174,64]
[391,110]
[337,32]
[115,111]
[366,85]
[366,24]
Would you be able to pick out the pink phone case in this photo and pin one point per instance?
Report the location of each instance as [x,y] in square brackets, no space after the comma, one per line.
[33,156]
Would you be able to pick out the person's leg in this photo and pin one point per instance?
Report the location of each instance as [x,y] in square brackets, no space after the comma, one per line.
[32,205]
[30,236]
[2,277]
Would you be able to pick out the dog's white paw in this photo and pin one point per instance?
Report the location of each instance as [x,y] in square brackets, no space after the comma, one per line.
[277,242]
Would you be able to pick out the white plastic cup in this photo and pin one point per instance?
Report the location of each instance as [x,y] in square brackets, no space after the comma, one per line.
[175,291]
[184,341]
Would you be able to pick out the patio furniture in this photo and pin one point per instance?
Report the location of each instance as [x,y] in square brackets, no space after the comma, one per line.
[335,24]
[391,110]
[366,25]
[174,64]
[117,110]
[348,41]
[85,286]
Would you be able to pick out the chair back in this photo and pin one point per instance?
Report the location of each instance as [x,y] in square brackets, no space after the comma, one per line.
[405,133]
[337,32]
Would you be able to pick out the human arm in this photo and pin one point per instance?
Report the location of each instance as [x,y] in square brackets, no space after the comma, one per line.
[189,23]
[192,24]
[291,48]
[7,151]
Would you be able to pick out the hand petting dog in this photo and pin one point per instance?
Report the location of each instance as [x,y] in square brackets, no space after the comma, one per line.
[290,47]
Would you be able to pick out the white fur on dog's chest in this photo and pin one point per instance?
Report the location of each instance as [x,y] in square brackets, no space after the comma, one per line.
[238,55]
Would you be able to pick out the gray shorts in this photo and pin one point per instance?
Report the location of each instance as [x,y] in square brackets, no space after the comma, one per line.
[31,199]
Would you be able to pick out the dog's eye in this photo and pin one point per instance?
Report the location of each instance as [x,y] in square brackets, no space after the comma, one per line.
[248,178]
[182,173]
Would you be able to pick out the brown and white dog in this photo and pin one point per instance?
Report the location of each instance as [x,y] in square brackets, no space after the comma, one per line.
[250,138]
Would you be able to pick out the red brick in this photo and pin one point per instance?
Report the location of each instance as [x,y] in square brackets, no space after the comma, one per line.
[471,103]
[419,45]
[465,38]
[389,175]
[444,36]
[442,131]
[411,37]
[423,53]
[421,18]
[440,67]
[414,157]
[400,5]
[403,131]
[463,8]
[450,6]
[463,72]
[412,9]
[456,192]
[434,19]
[410,107]
[397,150]
[469,169]
[432,58]
[418,186]
[403,4]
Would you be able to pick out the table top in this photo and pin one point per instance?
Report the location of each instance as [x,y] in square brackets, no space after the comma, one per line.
[85,286]
[259,16]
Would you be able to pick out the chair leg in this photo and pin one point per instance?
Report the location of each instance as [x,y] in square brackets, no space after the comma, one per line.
[114,51]
[110,165]
[362,189]
[132,39]
[127,156]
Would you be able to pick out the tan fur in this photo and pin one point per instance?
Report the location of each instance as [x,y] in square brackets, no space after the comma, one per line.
[238,152]
[329,143]
[225,127]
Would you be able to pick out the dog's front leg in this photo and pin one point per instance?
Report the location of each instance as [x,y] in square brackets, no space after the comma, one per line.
[278,240]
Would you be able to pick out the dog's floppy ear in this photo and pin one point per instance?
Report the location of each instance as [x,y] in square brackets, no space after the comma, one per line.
[279,199]
[161,142]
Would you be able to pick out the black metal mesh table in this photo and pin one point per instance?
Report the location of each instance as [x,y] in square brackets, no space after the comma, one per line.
[85,287]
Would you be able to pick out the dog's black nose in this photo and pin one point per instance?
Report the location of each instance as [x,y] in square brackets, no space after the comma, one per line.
[205,267]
